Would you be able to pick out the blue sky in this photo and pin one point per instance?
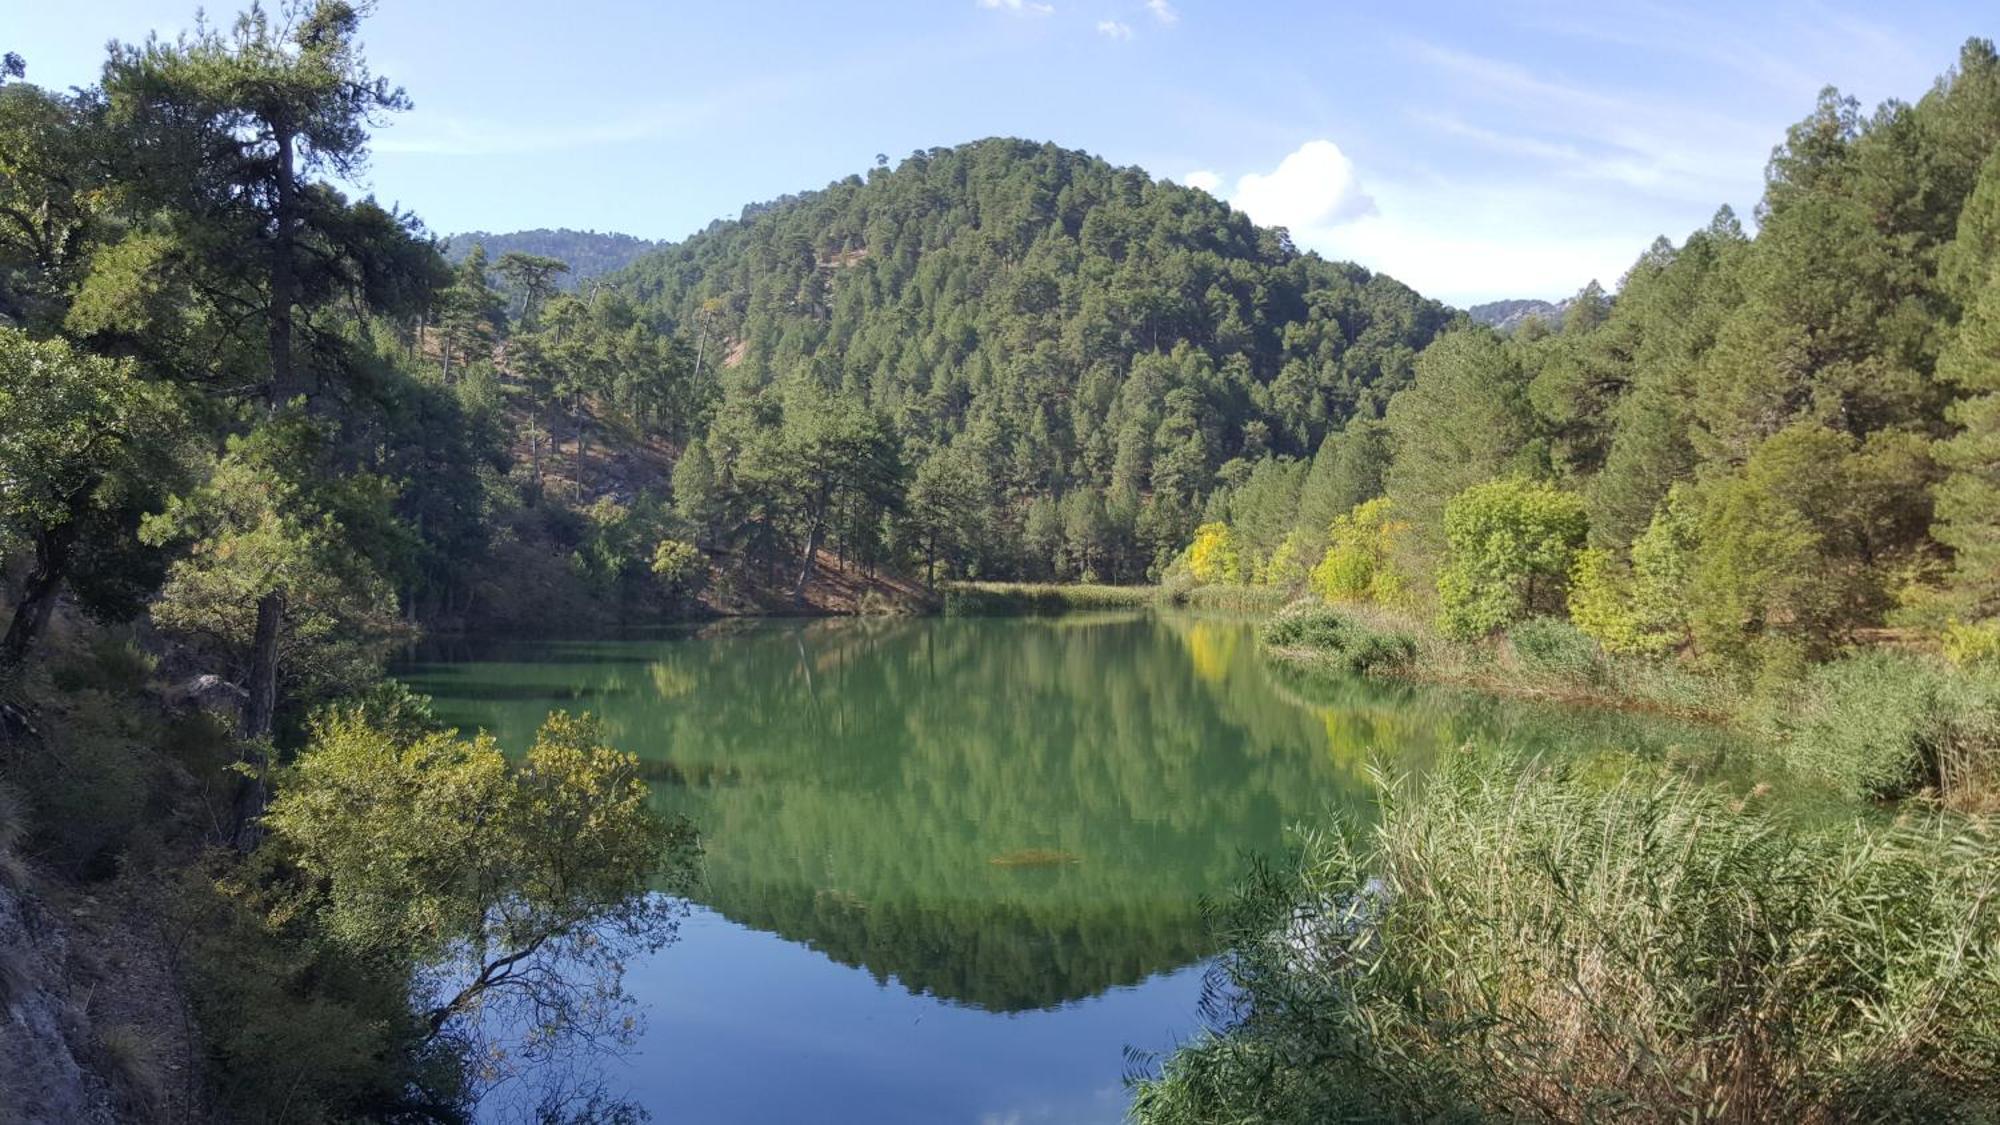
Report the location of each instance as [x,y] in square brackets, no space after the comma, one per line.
[1474,150]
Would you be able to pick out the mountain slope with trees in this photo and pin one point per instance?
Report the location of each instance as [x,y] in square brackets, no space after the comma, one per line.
[588,253]
[1053,361]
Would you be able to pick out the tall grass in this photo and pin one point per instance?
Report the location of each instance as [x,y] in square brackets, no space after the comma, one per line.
[1001,599]
[1886,725]
[1536,947]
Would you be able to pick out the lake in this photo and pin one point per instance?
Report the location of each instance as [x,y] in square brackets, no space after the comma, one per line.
[955,868]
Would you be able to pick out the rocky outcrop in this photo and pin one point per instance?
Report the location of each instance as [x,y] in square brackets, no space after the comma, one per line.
[47,1037]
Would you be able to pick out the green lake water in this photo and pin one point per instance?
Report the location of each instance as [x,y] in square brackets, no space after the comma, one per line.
[955,868]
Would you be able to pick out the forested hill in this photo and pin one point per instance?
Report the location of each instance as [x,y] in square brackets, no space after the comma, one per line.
[1071,355]
[1506,316]
[587,253]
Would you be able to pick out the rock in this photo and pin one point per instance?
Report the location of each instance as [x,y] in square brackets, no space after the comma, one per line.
[41,1072]
[209,692]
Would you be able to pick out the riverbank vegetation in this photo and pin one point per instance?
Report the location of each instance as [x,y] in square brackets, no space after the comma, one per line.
[1542,945]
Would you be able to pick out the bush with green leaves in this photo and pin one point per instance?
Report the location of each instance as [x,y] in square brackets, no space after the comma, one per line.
[1340,639]
[1510,546]
[516,889]
[1883,725]
[1539,946]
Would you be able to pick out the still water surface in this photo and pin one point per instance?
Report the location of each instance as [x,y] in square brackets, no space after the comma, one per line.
[955,868]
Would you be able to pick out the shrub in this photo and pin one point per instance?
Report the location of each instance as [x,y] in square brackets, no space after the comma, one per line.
[1552,646]
[1341,640]
[1541,947]
[1883,725]
[680,568]
[1972,645]
[1511,545]
[1357,565]
[1215,556]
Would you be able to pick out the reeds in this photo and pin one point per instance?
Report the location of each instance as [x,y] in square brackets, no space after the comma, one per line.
[1534,946]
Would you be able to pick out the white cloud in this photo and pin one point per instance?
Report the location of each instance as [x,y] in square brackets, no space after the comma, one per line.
[1019,7]
[1163,10]
[1112,29]
[1442,238]
[1315,186]
[1466,261]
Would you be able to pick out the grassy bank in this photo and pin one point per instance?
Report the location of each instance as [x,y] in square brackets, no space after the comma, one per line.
[1543,658]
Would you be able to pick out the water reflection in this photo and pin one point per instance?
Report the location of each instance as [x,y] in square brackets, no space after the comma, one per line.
[1000,816]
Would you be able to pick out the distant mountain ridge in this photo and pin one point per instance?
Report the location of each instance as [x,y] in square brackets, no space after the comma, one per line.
[1506,316]
[589,253]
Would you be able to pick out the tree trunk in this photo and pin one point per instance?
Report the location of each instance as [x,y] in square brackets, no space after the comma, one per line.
[38,597]
[806,569]
[259,715]
[284,286]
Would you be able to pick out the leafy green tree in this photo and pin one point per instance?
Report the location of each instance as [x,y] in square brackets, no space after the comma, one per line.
[469,315]
[241,271]
[1968,498]
[515,892]
[531,279]
[1214,556]
[1800,547]
[679,568]
[946,508]
[1643,609]
[273,525]
[86,450]
[1466,419]
[1360,560]
[1511,545]
[828,447]
[697,493]
[219,133]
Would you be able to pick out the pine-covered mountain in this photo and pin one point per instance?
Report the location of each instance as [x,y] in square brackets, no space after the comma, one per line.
[1063,358]
[589,253]
[1506,316]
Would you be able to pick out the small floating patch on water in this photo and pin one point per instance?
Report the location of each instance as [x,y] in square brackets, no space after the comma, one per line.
[1035,857]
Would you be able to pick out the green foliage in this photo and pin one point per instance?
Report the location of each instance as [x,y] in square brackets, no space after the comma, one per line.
[1798,546]
[1883,725]
[1645,610]
[505,885]
[1404,972]
[1071,328]
[86,450]
[1341,640]
[272,517]
[1360,560]
[292,1027]
[1512,544]
[680,570]
[1971,645]
[1465,420]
